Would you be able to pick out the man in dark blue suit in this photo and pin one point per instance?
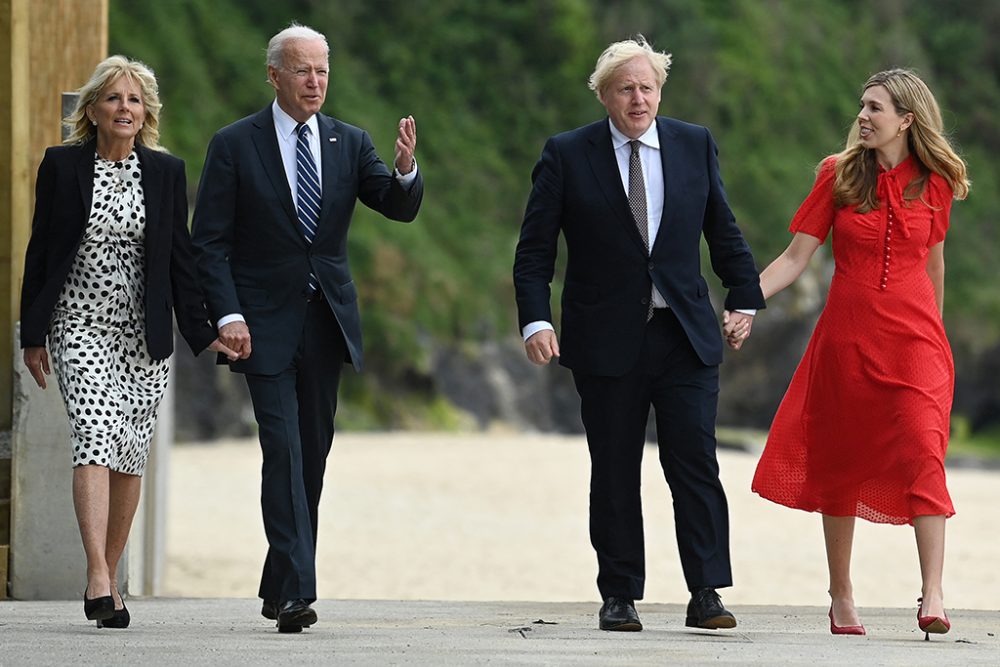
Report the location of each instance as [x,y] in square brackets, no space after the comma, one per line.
[632,195]
[271,220]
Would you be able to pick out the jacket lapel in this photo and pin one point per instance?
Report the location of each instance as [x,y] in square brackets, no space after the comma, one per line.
[330,148]
[152,193]
[85,177]
[671,174]
[601,155]
[266,142]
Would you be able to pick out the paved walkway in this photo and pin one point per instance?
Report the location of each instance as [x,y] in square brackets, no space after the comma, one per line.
[357,632]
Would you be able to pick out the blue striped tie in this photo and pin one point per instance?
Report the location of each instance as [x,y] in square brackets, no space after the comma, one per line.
[309,192]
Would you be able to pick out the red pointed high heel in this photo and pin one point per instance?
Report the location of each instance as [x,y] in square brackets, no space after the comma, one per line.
[937,625]
[844,629]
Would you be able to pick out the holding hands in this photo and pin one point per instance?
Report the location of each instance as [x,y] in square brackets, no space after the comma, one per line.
[736,328]
[233,341]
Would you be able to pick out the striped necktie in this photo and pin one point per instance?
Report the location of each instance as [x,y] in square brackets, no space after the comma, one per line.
[309,192]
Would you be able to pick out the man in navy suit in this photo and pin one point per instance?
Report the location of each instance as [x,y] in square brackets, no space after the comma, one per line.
[632,195]
[271,220]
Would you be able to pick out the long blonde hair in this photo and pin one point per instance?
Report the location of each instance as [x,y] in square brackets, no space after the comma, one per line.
[857,169]
[107,72]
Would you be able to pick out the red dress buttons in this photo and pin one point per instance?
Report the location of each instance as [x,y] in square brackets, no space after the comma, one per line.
[888,239]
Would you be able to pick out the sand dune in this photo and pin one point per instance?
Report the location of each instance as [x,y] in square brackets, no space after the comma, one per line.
[504,517]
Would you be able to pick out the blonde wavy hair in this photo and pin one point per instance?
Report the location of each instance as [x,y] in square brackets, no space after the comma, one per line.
[81,130]
[857,169]
[620,53]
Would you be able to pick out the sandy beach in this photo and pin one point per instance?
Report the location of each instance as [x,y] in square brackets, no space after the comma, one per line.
[417,516]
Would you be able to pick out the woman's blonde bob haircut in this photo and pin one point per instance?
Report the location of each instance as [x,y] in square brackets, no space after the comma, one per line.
[620,53]
[81,130]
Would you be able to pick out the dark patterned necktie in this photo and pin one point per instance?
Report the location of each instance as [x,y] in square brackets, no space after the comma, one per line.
[637,202]
[309,192]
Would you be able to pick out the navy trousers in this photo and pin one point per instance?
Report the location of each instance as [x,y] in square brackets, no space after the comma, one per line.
[295,411]
[683,392]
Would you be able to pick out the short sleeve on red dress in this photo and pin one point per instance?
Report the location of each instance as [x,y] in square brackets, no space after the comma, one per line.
[816,213]
[940,197]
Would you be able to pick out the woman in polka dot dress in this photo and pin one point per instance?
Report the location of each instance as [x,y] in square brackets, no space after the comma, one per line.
[108,264]
[863,428]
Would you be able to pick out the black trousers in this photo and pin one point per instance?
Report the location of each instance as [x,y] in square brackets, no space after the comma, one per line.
[684,393]
[295,411]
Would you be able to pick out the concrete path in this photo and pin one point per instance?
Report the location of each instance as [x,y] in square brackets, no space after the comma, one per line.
[359,632]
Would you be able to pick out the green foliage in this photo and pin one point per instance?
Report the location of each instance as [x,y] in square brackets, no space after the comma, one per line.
[488,81]
[983,444]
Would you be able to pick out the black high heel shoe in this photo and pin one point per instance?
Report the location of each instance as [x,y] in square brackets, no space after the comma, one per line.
[120,619]
[98,609]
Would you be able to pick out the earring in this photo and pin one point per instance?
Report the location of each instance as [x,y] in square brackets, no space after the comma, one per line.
[901,128]
[93,122]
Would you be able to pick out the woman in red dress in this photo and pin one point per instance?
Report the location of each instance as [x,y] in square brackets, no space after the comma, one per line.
[863,429]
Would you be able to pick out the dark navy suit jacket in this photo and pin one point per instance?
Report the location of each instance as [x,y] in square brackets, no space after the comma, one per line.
[253,257]
[577,191]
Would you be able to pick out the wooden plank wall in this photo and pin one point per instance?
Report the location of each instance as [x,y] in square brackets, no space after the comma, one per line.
[46,47]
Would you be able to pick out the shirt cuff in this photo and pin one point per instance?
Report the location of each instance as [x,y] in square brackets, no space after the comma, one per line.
[747,311]
[228,319]
[406,179]
[532,328]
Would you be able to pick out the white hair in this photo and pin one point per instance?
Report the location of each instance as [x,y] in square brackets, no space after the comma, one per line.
[294,32]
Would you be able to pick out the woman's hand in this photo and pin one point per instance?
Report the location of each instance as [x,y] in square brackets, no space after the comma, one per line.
[218,346]
[37,361]
[736,328]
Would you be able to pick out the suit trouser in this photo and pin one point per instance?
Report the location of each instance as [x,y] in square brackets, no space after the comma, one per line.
[683,392]
[295,411]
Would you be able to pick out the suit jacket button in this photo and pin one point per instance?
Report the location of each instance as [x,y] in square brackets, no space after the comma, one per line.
[644,301]
[650,266]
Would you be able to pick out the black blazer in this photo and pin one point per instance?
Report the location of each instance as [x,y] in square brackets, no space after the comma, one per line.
[253,258]
[63,194]
[577,190]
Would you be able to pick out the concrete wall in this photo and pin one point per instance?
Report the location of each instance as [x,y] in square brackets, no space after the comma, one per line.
[47,560]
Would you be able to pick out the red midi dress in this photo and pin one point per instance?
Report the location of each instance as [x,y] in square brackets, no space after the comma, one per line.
[863,428]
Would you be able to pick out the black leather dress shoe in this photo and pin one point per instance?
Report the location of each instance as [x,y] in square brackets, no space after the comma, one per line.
[295,615]
[619,614]
[705,610]
[269,609]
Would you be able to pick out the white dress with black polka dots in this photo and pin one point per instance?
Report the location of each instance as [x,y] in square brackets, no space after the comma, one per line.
[97,338]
